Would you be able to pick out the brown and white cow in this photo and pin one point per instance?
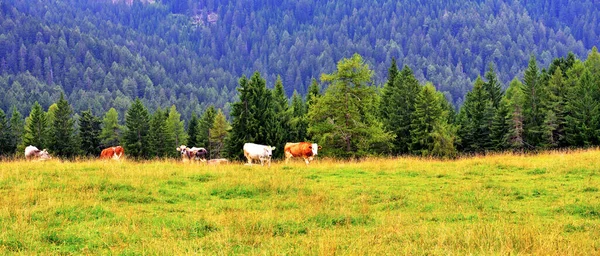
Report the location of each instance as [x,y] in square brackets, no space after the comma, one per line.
[193,153]
[33,153]
[112,153]
[305,150]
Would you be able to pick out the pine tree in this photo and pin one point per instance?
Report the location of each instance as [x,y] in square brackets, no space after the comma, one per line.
[298,123]
[136,135]
[192,131]
[533,109]
[160,138]
[218,135]
[36,128]
[515,137]
[176,129]
[476,118]
[583,108]
[204,125]
[398,105]
[493,87]
[427,115]
[342,119]
[89,133]
[283,115]
[554,122]
[500,126]
[5,147]
[253,116]
[314,92]
[17,126]
[110,135]
[62,140]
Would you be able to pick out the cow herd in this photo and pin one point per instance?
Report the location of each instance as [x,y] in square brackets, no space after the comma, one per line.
[252,152]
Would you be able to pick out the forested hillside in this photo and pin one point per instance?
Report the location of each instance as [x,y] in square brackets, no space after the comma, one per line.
[103,54]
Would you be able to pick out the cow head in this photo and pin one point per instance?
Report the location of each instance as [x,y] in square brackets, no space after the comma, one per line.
[315,148]
[44,155]
[180,148]
[269,151]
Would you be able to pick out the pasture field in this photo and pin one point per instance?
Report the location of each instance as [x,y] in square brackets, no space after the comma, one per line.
[547,204]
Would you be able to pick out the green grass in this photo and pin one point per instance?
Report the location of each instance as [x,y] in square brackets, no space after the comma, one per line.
[548,204]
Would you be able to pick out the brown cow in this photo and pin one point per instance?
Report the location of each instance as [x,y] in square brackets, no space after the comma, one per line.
[305,150]
[113,152]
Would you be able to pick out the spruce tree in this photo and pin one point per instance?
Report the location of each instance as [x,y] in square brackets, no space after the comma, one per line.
[283,115]
[253,118]
[204,125]
[427,115]
[17,127]
[342,119]
[5,147]
[176,130]
[111,130]
[298,123]
[582,121]
[314,92]
[533,109]
[476,118]
[218,135]
[515,137]
[192,131]
[160,138]
[89,133]
[137,123]
[554,122]
[500,126]
[397,107]
[36,128]
[493,87]
[62,140]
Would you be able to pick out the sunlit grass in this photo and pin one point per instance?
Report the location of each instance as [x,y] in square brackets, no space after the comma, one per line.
[546,204]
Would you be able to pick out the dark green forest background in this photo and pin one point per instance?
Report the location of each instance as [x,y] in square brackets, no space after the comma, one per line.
[192,53]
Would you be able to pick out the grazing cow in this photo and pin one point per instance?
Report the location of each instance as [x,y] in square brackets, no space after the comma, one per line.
[114,153]
[32,152]
[217,161]
[258,152]
[193,153]
[305,150]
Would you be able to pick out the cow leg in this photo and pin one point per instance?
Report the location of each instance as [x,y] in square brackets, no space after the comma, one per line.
[288,155]
[306,160]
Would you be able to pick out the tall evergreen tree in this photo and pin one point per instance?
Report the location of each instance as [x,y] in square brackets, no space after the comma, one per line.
[515,138]
[343,119]
[137,123]
[500,126]
[493,87]
[36,128]
[398,105]
[89,133]
[428,114]
[192,131]
[62,140]
[583,108]
[218,135]
[253,116]
[176,129]
[204,125]
[5,147]
[110,135]
[160,138]
[283,116]
[298,123]
[314,92]
[533,109]
[476,118]
[17,126]
[554,122]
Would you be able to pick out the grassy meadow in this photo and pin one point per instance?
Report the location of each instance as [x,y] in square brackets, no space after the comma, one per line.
[547,204]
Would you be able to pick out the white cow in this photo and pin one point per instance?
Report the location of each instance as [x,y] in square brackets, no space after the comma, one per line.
[258,152]
[32,152]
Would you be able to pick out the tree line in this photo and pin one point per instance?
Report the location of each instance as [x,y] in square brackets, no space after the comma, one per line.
[555,107]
